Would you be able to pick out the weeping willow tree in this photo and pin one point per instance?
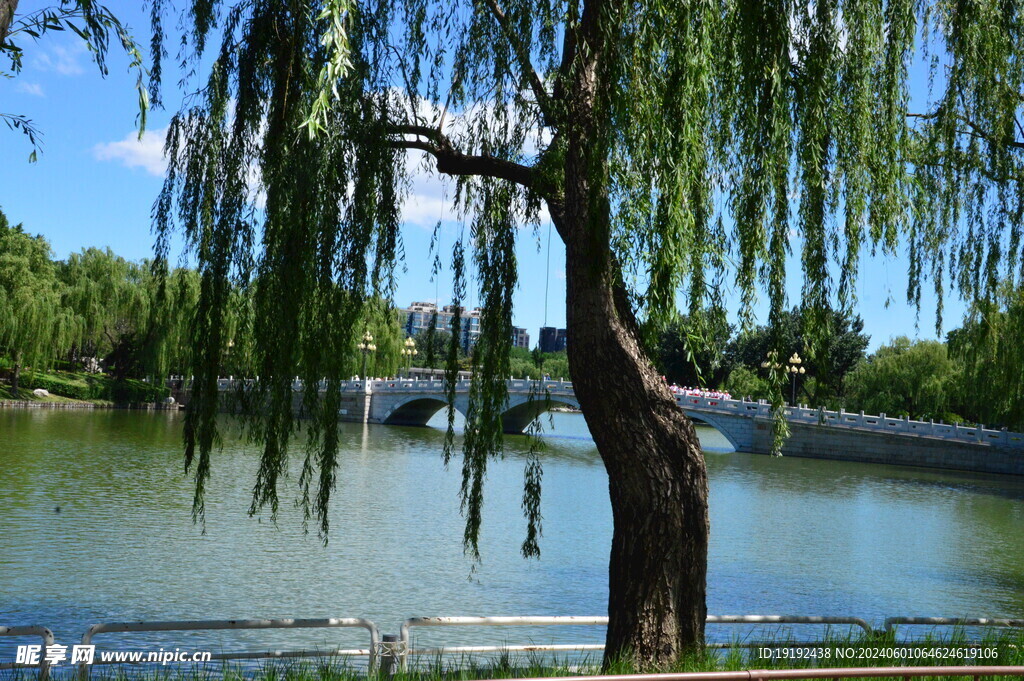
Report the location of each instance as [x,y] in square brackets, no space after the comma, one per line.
[108,293]
[173,299]
[990,348]
[682,150]
[35,325]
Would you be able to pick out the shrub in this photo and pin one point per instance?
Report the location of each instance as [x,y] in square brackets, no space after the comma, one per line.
[82,387]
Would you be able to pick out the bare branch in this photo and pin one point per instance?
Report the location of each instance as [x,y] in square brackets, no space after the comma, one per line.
[976,130]
[451,161]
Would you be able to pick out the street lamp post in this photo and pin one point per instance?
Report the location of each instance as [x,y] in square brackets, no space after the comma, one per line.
[794,369]
[366,346]
[409,351]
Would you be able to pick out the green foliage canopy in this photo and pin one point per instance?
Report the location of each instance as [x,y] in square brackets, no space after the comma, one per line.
[916,378]
[35,325]
[107,293]
[990,349]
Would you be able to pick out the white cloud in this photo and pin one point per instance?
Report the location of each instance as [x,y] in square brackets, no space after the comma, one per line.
[34,89]
[63,59]
[147,153]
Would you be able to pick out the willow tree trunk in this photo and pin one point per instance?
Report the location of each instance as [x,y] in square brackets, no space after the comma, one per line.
[7,9]
[656,474]
[656,470]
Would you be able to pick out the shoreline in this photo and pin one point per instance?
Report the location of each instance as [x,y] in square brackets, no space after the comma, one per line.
[138,406]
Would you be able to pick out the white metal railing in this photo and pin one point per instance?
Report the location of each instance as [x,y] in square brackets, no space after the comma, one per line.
[401,648]
[207,625]
[30,630]
[396,650]
[892,622]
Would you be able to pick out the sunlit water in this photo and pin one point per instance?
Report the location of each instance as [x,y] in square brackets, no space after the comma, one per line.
[789,536]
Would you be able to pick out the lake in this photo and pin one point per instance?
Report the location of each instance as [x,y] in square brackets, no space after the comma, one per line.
[788,536]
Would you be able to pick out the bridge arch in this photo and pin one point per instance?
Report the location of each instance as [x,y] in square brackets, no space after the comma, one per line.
[414,410]
[521,411]
[738,437]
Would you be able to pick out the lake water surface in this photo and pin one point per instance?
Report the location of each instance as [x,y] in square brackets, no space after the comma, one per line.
[788,536]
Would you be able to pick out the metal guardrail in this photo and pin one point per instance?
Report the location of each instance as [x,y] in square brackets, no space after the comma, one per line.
[783,619]
[390,651]
[31,630]
[400,647]
[831,673]
[396,651]
[892,622]
[206,625]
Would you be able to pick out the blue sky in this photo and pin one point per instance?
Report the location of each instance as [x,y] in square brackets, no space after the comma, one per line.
[94,185]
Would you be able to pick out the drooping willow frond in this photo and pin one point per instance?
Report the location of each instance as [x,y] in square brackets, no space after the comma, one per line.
[728,134]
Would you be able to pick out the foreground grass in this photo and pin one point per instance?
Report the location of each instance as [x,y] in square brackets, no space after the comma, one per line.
[835,651]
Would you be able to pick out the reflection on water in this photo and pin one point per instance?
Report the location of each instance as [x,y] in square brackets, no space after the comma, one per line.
[788,536]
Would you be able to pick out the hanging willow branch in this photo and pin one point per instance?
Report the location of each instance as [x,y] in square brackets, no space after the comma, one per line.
[727,134]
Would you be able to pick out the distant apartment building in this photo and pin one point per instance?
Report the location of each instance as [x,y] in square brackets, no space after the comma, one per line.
[552,339]
[520,338]
[418,317]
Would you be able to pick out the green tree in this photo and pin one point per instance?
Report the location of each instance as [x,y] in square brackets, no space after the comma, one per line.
[691,356]
[164,343]
[433,344]
[906,378]
[665,140]
[35,326]
[743,382]
[990,349]
[109,295]
[829,352]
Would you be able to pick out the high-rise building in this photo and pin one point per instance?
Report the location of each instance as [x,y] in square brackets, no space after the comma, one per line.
[418,317]
[552,339]
[520,338]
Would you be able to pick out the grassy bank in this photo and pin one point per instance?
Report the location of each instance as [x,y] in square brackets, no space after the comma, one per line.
[1005,649]
[64,386]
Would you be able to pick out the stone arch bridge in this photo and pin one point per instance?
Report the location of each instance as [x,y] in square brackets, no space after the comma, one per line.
[815,433]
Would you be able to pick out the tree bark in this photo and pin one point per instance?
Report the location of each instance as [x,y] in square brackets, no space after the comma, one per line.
[7,10]
[656,471]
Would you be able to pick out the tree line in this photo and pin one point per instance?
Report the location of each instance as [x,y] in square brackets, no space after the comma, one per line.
[973,376]
[99,312]
[97,309]
[93,309]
